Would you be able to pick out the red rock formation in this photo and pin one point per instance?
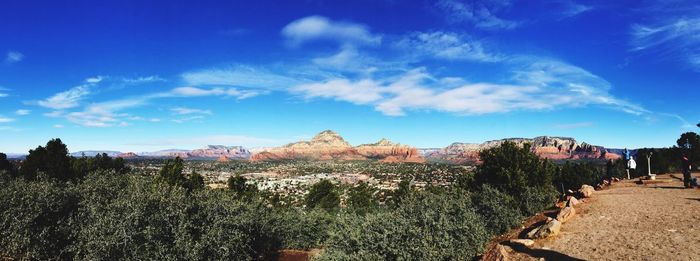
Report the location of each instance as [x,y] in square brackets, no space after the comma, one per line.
[554,148]
[328,145]
[127,155]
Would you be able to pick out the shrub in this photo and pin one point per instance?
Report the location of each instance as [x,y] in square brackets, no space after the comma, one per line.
[424,227]
[323,195]
[298,229]
[35,219]
[499,210]
[574,175]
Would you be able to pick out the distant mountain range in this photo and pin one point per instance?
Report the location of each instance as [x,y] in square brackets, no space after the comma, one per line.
[329,145]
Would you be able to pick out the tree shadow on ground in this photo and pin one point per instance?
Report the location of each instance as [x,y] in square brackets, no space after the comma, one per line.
[540,253]
[668,187]
[696,199]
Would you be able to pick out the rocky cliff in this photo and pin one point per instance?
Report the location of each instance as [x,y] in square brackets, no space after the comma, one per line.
[555,148]
[215,152]
[329,145]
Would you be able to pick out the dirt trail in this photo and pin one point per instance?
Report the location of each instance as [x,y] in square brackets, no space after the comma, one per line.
[629,221]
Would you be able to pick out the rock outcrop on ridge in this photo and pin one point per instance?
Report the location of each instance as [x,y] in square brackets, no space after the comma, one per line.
[329,145]
[555,148]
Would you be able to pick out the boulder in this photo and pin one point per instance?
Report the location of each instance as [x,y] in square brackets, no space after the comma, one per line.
[566,214]
[495,253]
[586,191]
[573,201]
[522,242]
[549,229]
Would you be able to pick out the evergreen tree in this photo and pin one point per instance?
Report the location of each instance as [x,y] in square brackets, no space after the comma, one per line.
[323,195]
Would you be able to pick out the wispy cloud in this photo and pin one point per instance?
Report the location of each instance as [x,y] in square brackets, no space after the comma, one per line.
[58,126]
[13,57]
[67,99]
[672,33]
[239,76]
[4,119]
[111,113]
[445,45]
[186,111]
[541,84]
[22,112]
[480,14]
[144,79]
[321,28]
[186,119]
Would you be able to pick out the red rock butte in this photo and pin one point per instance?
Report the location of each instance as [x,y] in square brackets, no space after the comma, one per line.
[329,145]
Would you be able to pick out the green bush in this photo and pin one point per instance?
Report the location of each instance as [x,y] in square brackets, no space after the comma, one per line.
[134,217]
[298,229]
[425,226]
[574,175]
[499,210]
[35,219]
[323,194]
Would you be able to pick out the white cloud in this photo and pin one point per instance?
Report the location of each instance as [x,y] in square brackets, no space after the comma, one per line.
[361,92]
[2,95]
[58,126]
[449,46]
[66,99]
[239,76]
[186,111]
[186,119]
[481,14]
[675,37]
[13,57]
[94,80]
[542,84]
[22,112]
[141,80]
[321,28]
[5,119]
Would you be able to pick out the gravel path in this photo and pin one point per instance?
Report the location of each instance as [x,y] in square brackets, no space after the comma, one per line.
[629,221]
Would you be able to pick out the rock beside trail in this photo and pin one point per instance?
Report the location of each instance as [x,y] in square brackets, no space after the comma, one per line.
[496,253]
[573,201]
[586,191]
[549,229]
[522,242]
[566,214]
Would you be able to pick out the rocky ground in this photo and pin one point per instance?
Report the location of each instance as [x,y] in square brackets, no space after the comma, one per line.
[627,221]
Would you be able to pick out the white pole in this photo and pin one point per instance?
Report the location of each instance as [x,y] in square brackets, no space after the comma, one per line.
[649,164]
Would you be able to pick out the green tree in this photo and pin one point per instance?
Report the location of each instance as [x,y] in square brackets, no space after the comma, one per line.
[517,171]
[240,188]
[323,195]
[194,181]
[171,173]
[52,160]
[689,142]
[361,199]
[6,166]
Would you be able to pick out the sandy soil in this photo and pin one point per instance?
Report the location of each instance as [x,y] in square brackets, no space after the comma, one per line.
[628,221]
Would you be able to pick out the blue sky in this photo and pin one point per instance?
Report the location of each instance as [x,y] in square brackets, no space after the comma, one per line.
[149,75]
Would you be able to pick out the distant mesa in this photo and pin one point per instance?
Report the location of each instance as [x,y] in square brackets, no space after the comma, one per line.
[329,145]
[127,155]
[554,148]
[93,153]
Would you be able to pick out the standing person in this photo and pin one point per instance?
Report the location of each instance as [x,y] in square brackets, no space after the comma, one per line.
[627,157]
[631,165]
[685,167]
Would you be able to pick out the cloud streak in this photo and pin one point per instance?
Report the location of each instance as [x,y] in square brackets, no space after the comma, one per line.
[316,27]
[13,57]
